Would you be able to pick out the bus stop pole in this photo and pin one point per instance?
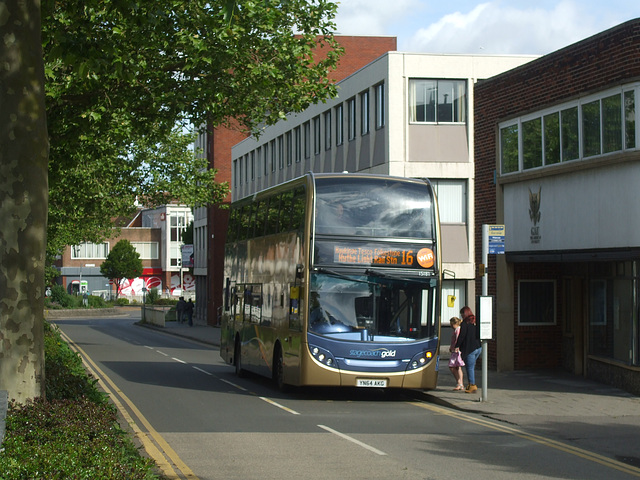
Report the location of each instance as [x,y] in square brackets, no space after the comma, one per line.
[485,292]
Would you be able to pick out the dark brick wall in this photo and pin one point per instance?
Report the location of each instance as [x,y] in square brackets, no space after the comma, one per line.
[603,61]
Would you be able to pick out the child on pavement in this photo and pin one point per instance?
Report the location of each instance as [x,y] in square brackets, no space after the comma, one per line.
[455,361]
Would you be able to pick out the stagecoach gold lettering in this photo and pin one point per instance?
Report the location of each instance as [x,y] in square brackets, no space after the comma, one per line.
[373,256]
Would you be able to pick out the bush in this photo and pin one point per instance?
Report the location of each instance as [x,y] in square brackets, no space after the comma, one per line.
[68,439]
[96,302]
[66,378]
[153,296]
[61,297]
[74,433]
[165,301]
[122,301]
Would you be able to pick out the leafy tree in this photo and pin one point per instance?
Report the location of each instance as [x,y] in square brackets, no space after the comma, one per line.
[124,77]
[123,262]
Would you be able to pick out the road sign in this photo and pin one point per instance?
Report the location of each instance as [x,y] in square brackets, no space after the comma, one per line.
[496,239]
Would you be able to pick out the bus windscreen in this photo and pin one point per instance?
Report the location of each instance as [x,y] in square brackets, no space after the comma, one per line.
[377,209]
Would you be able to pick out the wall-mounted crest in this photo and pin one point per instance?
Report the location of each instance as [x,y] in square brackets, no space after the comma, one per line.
[535,214]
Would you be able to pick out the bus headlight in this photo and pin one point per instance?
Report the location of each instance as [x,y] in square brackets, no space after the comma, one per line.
[323,356]
[420,360]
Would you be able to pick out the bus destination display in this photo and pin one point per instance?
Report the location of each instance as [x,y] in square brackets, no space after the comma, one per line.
[383,256]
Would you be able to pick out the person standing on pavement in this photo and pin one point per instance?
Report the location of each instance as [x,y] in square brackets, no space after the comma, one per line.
[455,361]
[468,344]
[189,311]
[180,309]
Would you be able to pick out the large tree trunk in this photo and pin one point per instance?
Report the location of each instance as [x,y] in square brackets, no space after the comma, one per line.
[23,199]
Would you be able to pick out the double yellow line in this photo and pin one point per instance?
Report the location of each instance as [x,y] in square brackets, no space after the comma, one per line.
[156,446]
[579,452]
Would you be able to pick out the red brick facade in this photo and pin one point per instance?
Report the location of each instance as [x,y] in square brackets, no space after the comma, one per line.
[606,60]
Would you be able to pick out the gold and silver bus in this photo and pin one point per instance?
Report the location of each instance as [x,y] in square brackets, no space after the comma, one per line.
[335,280]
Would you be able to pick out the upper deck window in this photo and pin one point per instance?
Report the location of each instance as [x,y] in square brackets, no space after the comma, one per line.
[373,208]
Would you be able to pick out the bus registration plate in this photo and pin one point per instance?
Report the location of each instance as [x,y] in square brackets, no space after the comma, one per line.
[370,382]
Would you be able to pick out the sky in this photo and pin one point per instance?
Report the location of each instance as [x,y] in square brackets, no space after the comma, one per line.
[512,27]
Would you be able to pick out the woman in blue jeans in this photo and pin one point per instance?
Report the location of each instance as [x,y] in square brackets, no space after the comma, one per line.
[469,346]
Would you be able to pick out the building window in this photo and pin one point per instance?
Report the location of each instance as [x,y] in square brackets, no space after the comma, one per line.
[339,125]
[235,172]
[316,135]
[306,130]
[509,148]
[613,325]
[280,152]
[379,91]
[253,165]
[273,155]
[327,130]
[351,117]
[178,222]
[259,165]
[629,119]
[569,132]
[437,101]
[241,166]
[532,143]
[147,250]
[90,250]
[591,129]
[289,147]
[364,112]
[452,200]
[298,144]
[536,302]
[265,158]
[551,138]
[601,124]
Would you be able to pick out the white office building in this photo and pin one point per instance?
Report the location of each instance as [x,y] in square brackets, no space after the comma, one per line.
[405,114]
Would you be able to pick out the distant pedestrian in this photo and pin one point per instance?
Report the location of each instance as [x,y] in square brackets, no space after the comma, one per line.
[180,310]
[455,361]
[189,310]
[469,345]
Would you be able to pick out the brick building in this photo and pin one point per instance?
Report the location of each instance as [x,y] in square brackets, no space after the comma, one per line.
[557,150]
[156,234]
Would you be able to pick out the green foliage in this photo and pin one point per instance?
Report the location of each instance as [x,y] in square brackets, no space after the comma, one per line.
[165,301]
[66,378]
[74,433]
[65,439]
[122,301]
[123,78]
[96,302]
[153,295]
[60,296]
[123,262]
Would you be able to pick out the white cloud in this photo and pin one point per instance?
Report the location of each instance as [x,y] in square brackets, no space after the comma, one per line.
[497,29]
[373,17]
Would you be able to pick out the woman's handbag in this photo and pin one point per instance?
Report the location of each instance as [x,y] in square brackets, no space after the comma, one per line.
[456,360]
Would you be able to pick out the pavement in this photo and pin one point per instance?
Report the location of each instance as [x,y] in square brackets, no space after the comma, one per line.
[522,394]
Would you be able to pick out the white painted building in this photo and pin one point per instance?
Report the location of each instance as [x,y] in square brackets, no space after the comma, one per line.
[404,114]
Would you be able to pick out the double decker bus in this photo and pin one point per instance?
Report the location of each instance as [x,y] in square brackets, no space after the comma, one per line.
[335,280]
